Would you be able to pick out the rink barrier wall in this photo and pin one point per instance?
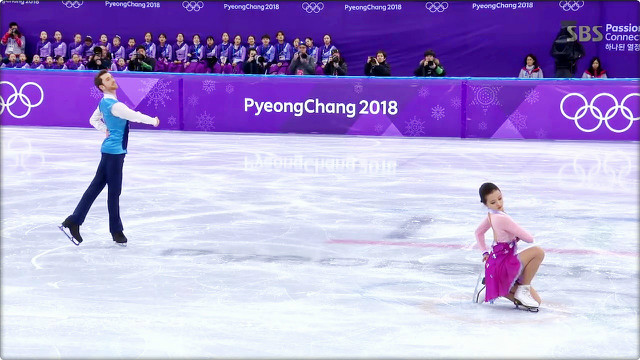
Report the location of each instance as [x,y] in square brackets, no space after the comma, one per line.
[504,108]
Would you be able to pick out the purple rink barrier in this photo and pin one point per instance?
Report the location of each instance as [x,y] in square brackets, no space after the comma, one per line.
[573,109]
[471,38]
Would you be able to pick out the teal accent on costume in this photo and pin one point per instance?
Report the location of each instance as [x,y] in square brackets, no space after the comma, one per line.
[118,128]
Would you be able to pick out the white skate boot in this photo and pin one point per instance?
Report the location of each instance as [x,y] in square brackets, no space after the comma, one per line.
[523,297]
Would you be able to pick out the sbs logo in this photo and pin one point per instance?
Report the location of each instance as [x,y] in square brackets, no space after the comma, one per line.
[597,113]
[312,7]
[18,95]
[192,5]
[435,7]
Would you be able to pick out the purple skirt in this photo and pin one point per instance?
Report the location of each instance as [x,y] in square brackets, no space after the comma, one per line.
[501,271]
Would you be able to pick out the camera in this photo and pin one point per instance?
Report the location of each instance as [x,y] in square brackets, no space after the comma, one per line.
[430,63]
[335,58]
[303,56]
[261,59]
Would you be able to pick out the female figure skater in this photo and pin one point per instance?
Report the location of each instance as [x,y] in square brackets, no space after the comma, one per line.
[507,273]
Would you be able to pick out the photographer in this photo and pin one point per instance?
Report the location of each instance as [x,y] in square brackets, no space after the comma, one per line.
[302,64]
[140,61]
[97,61]
[13,40]
[252,66]
[377,66]
[429,66]
[336,65]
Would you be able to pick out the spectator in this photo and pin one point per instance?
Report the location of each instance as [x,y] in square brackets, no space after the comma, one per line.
[566,51]
[237,53]
[149,46]
[22,62]
[59,63]
[11,63]
[325,53]
[76,46]
[13,40]
[210,51]
[595,70]
[87,48]
[252,66]
[313,51]
[58,47]
[49,65]
[195,57]
[377,66]
[266,52]
[429,66]
[223,52]
[164,53]
[75,63]
[283,55]
[251,43]
[130,51]
[180,51]
[36,62]
[531,68]
[336,65]
[97,61]
[104,41]
[121,65]
[295,44]
[116,49]
[43,48]
[141,62]
[302,64]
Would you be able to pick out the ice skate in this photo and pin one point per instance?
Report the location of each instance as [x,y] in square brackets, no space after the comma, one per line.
[522,297]
[74,229]
[120,239]
[479,291]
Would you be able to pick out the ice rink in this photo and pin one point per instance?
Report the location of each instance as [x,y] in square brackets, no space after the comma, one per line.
[300,246]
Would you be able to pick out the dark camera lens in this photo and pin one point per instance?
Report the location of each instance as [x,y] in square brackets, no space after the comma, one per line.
[261,58]
[304,56]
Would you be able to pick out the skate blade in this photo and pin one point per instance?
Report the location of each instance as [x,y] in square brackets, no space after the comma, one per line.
[526,308]
[476,296]
[71,238]
[121,244]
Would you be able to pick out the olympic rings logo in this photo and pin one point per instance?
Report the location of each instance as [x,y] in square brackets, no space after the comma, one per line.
[597,113]
[312,7]
[571,5]
[72,4]
[437,6]
[24,99]
[192,5]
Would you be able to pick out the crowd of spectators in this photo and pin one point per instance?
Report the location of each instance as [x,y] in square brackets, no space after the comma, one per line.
[234,57]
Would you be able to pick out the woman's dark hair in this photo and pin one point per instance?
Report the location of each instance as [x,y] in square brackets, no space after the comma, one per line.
[535,60]
[600,68]
[210,37]
[382,52]
[486,189]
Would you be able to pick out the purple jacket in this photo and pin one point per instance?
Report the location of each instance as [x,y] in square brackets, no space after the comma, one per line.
[150,49]
[73,66]
[284,52]
[269,53]
[36,66]
[164,52]
[237,55]
[75,48]
[128,52]
[180,51]
[59,49]
[196,52]
[117,53]
[43,49]
[223,51]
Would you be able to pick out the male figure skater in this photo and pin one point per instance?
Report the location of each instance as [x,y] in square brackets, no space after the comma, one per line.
[113,118]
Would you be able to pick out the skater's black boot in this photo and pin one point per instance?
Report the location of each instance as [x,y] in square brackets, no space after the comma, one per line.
[74,229]
[119,238]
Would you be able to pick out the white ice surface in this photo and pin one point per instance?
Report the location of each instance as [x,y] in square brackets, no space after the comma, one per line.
[313,246]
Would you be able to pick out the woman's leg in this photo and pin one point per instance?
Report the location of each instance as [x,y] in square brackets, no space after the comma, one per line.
[531,259]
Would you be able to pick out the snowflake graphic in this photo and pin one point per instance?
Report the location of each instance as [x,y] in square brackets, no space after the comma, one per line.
[94,92]
[205,121]
[193,100]
[229,89]
[532,96]
[424,92]
[517,120]
[456,102]
[172,120]
[482,126]
[437,112]
[378,128]
[485,96]
[159,93]
[146,85]
[357,88]
[541,133]
[209,86]
[415,127]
